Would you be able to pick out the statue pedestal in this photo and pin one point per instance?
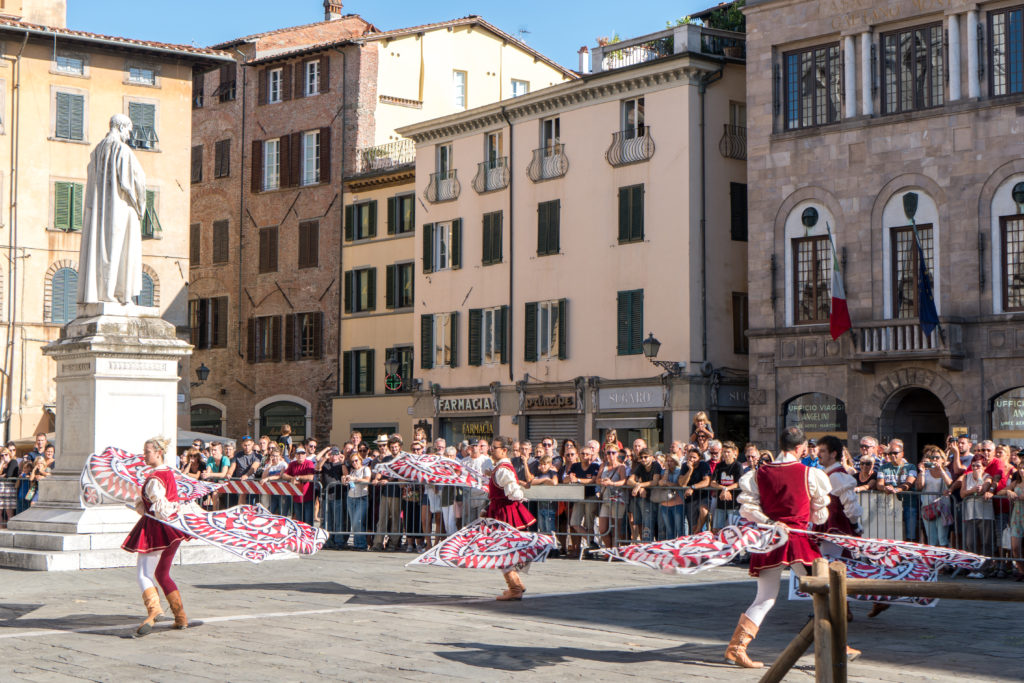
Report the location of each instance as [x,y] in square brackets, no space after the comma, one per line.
[117,385]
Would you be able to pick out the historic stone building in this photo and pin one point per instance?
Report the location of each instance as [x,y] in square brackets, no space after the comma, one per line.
[853,106]
[563,227]
[276,136]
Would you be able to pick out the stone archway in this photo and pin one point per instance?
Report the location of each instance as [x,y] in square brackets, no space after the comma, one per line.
[917,417]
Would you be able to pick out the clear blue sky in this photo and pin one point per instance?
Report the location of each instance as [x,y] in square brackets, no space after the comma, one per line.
[556,28]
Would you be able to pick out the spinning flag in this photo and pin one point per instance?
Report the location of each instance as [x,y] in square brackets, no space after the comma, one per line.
[117,476]
[488,544]
[432,469]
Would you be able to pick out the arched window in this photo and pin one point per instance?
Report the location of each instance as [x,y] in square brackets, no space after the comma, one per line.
[207,418]
[901,249]
[64,292]
[1008,248]
[273,415]
[145,297]
[809,263]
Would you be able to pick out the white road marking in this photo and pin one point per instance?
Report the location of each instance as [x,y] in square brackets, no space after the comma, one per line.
[358,608]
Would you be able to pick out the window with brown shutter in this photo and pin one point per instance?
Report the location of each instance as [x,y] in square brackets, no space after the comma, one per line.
[294,160]
[309,244]
[261,87]
[208,322]
[197,164]
[325,155]
[325,73]
[268,250]
[257,166]
[285,161]
[220,241]
[222,159]
[286,84]
[227,88]
[194,235]
[198,89]
[265,339]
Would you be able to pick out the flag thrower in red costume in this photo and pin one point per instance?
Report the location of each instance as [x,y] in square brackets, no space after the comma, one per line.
[506,505]
[155,542]
[787,493]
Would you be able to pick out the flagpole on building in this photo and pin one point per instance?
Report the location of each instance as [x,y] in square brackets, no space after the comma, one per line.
[835,261]
[926,289]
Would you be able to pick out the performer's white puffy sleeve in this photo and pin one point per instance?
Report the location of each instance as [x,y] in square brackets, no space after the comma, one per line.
[842,488]
[819,487]
[506,479]
[162,508]
[750,500]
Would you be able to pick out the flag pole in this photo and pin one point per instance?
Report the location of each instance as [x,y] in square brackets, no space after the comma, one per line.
[835,258]
[931,280]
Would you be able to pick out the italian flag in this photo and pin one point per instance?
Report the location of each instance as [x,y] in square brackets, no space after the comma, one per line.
[839,314]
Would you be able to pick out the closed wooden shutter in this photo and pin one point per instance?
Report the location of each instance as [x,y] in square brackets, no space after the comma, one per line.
[371,290]
[542,229]
[268,250]
[497,218]
[485,258]
[622,322]
[350,222]
[554,226]
[738,208]
[370,366]
[453,328]
[222,159]
[77,195]
[350,286]
[475,337]
[309,244]
[318,334]
[390,286]
[62,198]
[426,341]
[392,214]
[286,83]
[193,322]
[624,214]
[637,213]
[146,294]
[220,241]
[275,336]
[325,154]
[294,160]
[197,164]
[256,184]
[501,333]
[194,244]
[63,296]
[299,80]
[251,334]
[530,332]
[563,327]
[220,326]
[346,372]
[261,88]
[70,116]
[284,164]
[371,227]
[456,244]
[630,322]
[428,247]
[289,338]
[325,73]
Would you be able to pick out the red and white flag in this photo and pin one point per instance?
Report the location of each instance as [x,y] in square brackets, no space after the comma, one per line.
[839,314]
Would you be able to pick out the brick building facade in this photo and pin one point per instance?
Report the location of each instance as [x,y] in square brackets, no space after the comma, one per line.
[850,110]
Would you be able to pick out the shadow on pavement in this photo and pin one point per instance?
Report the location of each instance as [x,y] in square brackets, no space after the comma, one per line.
[357,596]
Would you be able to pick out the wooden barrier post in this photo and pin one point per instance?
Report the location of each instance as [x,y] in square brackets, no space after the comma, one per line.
[794,651]
[823,655]
[837,613]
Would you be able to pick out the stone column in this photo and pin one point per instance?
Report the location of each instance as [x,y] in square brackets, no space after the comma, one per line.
[973,81]
[867,104]
[117,385]
[850,77]
[954,57]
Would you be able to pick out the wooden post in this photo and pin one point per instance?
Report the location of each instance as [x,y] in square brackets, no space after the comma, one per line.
[837,613]
[822,627]
[794,651]
[917,589]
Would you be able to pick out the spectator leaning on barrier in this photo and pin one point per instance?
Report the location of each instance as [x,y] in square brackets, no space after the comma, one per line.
[933,483]
[906,481]
[868,448]
[611,477]
[645,475]
[725,481]
[243,467]
[388,519]
[333,473]
[977,511]
[583,513]
[301,471]
[671,508]
[279,505]
[1015,492]
[357,480]
[449,497]
[547,475]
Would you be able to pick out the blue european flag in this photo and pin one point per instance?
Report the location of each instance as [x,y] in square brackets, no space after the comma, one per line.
[929,317]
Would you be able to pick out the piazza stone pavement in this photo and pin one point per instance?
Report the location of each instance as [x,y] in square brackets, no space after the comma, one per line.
[347,616]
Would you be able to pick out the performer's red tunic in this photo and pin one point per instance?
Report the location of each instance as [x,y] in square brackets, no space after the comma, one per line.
[785,497]
[503,508]
[150,535]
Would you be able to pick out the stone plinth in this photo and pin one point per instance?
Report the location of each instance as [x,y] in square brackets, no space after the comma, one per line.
[117,385]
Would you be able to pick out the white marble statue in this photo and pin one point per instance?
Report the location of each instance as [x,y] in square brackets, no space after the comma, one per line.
[110,261]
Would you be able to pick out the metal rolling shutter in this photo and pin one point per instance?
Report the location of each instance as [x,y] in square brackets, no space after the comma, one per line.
[558,427]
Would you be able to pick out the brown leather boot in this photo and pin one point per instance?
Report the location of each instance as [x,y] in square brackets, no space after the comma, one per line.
[151,599]
[515,588]
[852,654]
[877,609]
[174,600]
[746,631]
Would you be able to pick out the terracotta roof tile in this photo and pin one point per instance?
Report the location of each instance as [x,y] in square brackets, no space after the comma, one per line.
[286,29]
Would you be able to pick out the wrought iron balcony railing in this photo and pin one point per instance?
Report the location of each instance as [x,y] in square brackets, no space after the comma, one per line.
[630,146]
[548,162]
[385,157]
[733,144]
[492,175]
[443,187]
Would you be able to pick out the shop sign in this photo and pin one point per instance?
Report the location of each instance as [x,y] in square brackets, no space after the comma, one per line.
[478,429]
[550,402]
[1008,411]
[467,404]
[733,397]
[621,398]
[816,413]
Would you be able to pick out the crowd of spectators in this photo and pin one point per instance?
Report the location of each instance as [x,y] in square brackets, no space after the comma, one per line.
[20,475]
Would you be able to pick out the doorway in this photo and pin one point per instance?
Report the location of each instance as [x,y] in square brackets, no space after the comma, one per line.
[916,416]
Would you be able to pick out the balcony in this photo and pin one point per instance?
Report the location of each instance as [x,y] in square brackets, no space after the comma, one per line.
[386,157]
[492,175]
[691,38]
[733,144]
[630,146]
[548,162]
[887,340]
[443,187]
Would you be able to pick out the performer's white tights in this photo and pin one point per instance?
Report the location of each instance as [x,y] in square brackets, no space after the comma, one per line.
[146,564]
[767,590]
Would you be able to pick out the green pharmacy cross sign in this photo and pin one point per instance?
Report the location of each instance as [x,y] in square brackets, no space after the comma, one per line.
[393,382]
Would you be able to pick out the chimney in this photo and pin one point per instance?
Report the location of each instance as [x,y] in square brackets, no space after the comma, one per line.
[332,10]
[584,54]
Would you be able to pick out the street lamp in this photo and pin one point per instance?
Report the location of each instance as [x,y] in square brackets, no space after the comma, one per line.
[651,346]
[203,374]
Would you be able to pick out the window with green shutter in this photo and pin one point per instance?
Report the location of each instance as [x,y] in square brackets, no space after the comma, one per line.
[70,118]
[143,116]
[631,214]
[197,164]
[63,296]
[548,227]
[67,206]
[361,221]
[492,238]
[357,372]
[146,296]
[630,322]
[401,214]
[150,221]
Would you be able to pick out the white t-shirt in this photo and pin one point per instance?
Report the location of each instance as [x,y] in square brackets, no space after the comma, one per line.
[357,489]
